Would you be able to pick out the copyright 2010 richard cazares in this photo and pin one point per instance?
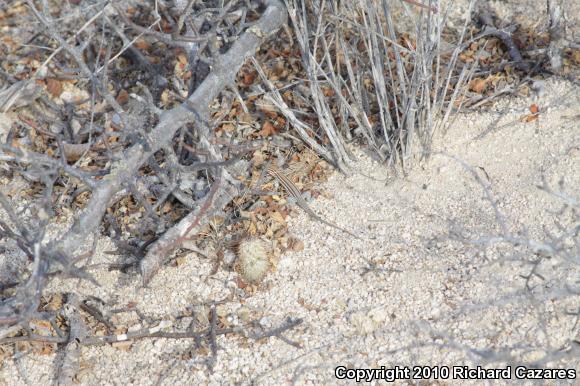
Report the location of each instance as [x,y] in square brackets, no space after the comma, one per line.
[392,374]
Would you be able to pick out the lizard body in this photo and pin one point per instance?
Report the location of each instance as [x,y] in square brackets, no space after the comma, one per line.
[292,190]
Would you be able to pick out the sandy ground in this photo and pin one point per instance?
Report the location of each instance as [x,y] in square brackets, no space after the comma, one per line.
[426,300]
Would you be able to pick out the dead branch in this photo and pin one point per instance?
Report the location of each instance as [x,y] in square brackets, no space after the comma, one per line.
[219,196]
[72,351]
[485,16]
[289,324]
[209,334]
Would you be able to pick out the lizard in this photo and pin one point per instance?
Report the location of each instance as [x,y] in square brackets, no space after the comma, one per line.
[292,190]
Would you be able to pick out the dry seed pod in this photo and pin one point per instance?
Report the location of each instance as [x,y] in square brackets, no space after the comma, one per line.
[253,260]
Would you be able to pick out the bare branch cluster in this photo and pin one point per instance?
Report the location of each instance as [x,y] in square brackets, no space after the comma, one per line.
[394,88]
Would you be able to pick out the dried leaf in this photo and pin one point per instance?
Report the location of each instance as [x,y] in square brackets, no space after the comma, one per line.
[249,78]
[524,90]
[478,85]
[122,97]
[277,217]
[46,349]
[576,56]
[529,118]
[268,129]
[125,345]
[55,302]
[142,44]
[54,87]
[228,127]
[244,117]
[240,282]
[327,91]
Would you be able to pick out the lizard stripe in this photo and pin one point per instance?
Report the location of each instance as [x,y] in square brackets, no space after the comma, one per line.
[292,190]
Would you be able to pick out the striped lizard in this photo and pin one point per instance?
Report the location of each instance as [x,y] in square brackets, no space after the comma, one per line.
[292,190]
